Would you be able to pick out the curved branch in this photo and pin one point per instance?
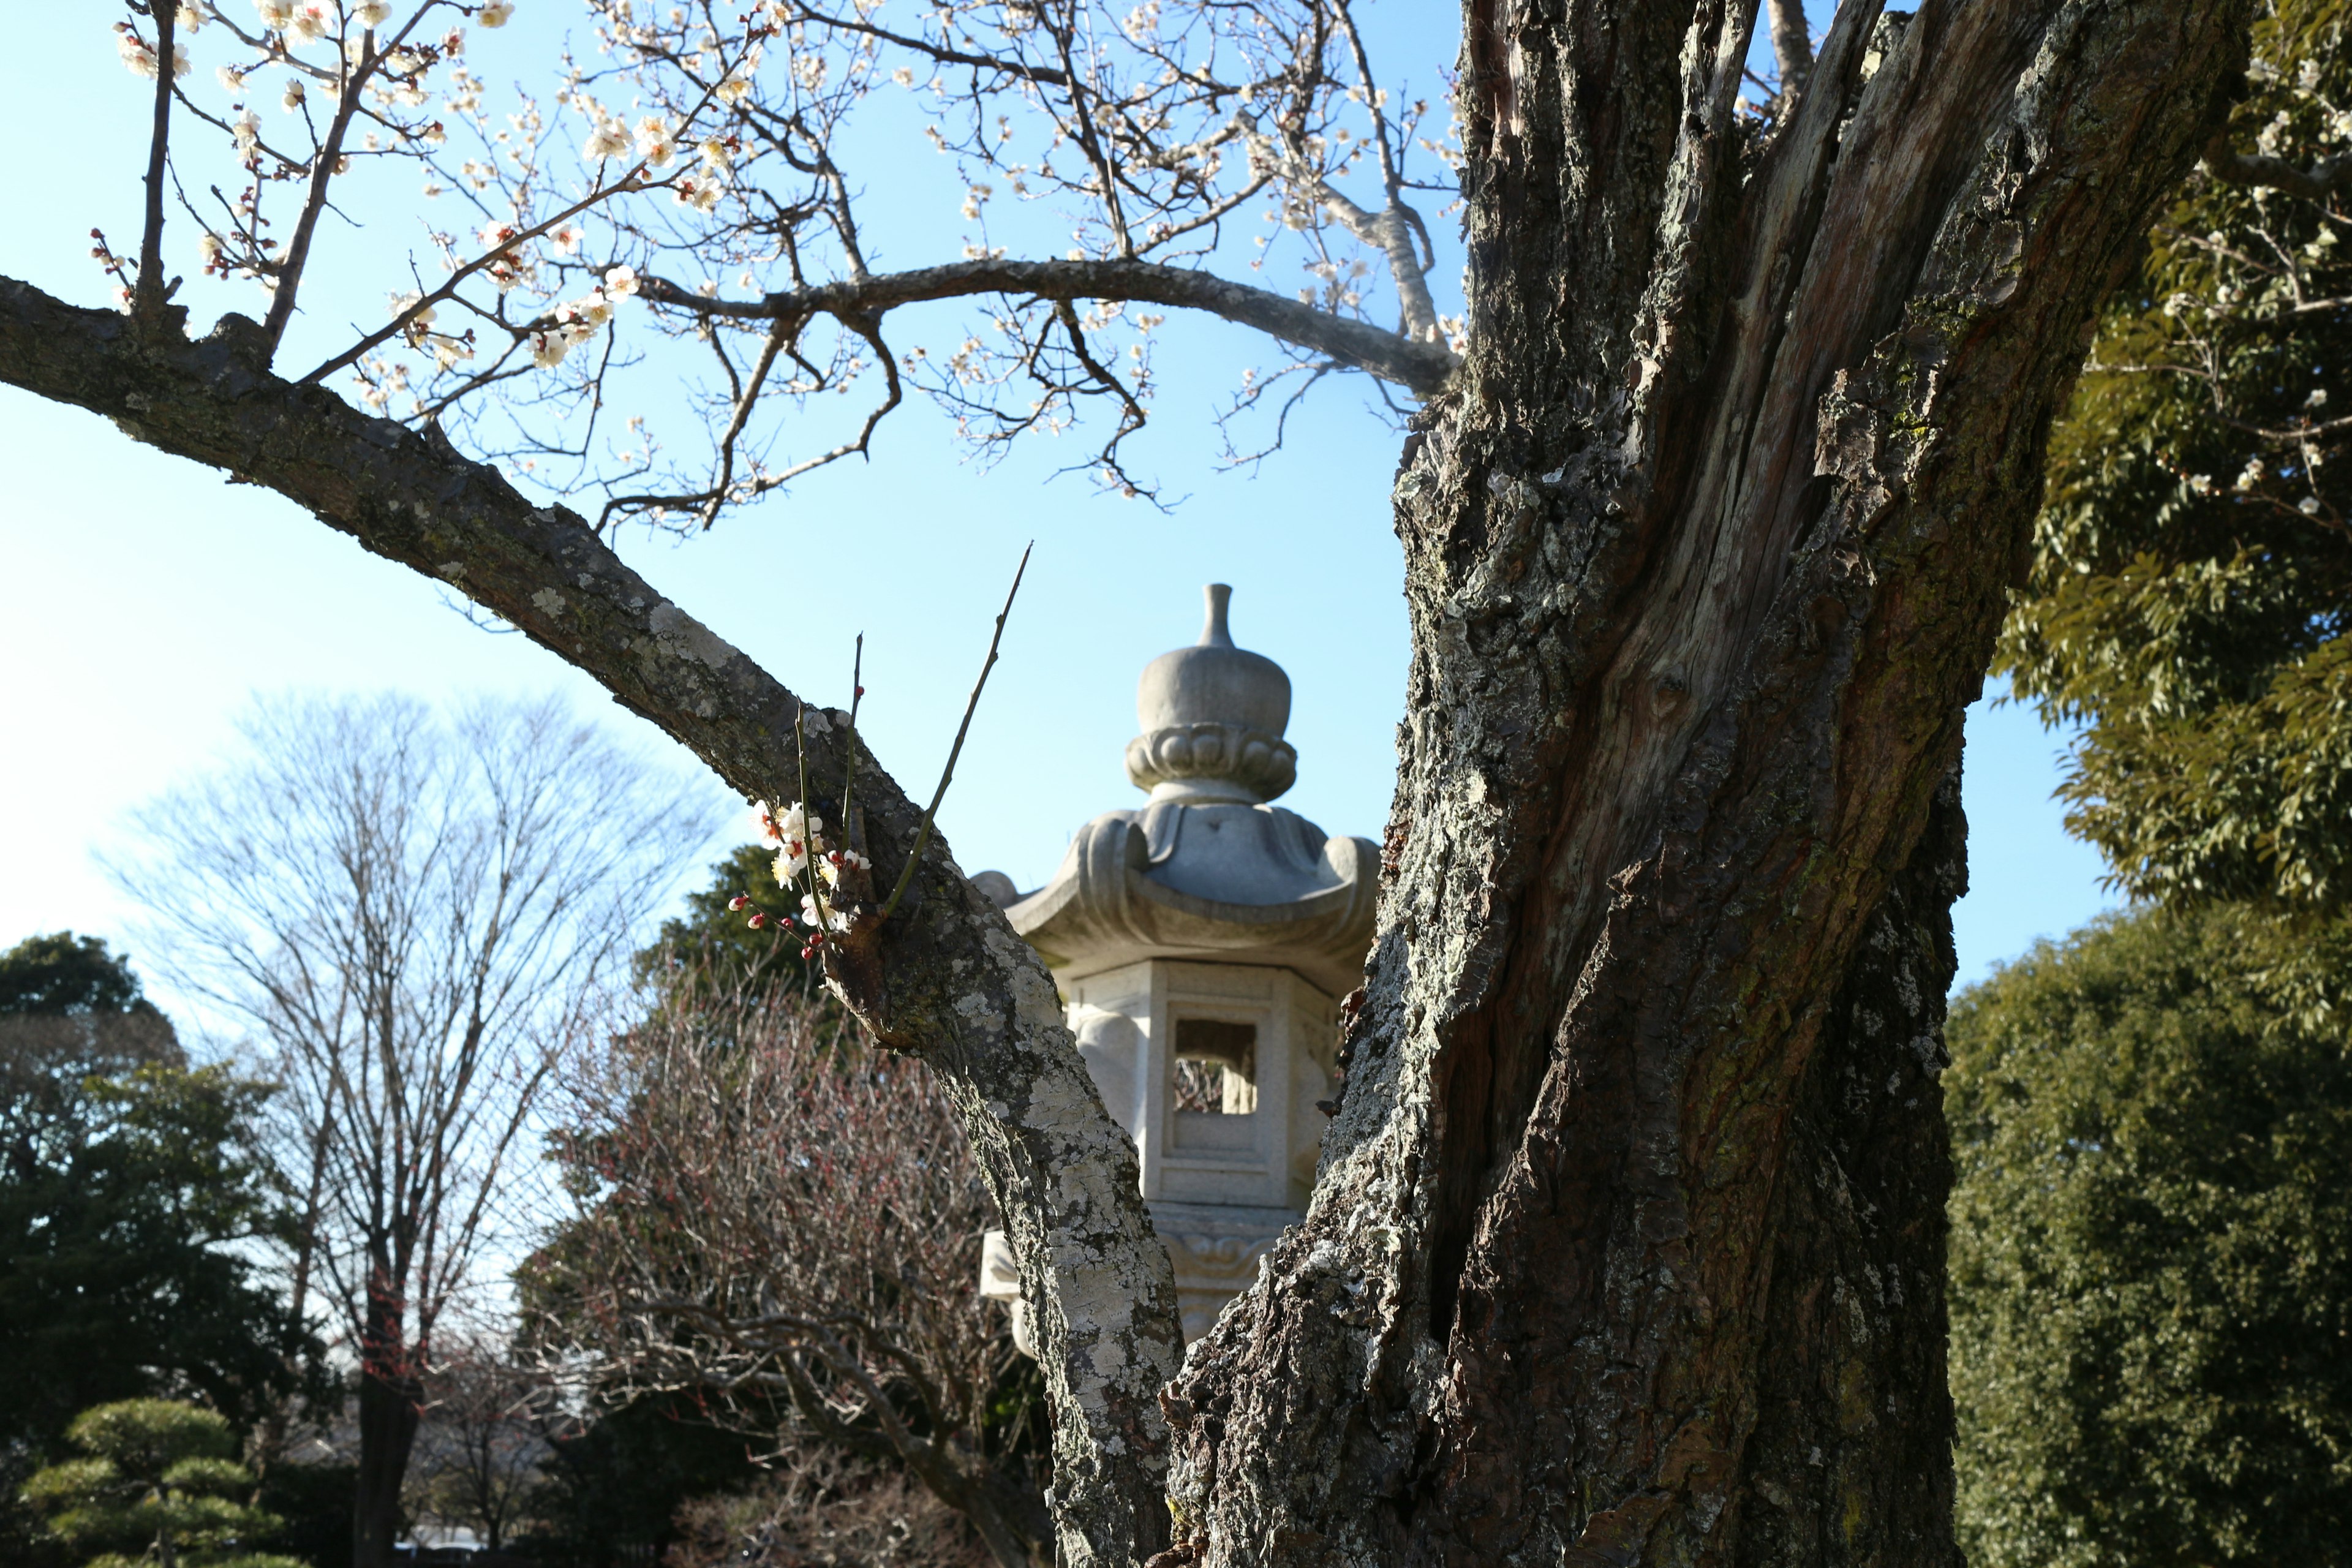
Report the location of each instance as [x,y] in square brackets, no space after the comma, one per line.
[1420,367]
[946,979]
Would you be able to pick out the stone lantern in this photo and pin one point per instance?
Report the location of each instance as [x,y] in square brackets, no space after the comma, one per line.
[1202,945]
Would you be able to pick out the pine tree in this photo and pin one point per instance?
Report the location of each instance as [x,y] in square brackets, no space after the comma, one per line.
[160,1479]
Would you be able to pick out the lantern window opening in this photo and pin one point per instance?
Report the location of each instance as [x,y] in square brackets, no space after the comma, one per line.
[1213,1067]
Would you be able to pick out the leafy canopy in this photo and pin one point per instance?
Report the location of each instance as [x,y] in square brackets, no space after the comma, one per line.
[2193,562]
[157,1477]
[2151,1256]
[61,973]
[128,1188]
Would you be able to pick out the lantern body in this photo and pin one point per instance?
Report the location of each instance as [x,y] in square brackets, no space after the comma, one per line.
[1202,945]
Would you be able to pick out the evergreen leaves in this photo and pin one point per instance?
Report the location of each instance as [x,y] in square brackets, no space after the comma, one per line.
[2193,563]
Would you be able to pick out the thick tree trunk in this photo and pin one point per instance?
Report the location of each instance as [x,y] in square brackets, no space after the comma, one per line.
[1628,1244]
[389,1408]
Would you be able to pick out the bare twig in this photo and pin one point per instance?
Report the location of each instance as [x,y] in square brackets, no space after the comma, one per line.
[946,775]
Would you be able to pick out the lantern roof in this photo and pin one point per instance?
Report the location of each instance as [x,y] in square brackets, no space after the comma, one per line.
[1207,870]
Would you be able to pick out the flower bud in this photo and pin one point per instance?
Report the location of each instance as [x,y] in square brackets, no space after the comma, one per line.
[758,919]
[739,901]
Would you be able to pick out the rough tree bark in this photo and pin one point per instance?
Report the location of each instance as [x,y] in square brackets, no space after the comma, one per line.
[1628,1244]
[1627,1247]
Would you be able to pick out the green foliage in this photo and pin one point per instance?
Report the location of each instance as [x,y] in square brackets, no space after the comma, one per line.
[158,1478]
[2151,1253]
[315,1503]
[2193,561]
[69,1011]
[719,947]
[121,1268]
[61,973]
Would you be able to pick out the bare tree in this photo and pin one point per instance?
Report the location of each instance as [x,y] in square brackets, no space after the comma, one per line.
[772,1208]
[412,916]
[482,1440]
[1627,1242]
[821,1509]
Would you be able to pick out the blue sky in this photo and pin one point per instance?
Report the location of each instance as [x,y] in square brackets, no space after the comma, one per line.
[146,599]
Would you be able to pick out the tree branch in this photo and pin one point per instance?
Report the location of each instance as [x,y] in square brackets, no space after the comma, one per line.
[2254,169]
[946,979]
[1421,368]
[150,295]
[1793,46]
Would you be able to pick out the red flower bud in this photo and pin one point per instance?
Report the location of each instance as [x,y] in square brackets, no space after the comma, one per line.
[758,919]
[739,901]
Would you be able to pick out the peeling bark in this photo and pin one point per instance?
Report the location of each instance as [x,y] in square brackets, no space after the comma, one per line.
[1706,548]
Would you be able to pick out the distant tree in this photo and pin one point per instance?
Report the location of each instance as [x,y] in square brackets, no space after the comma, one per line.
[2151,1257]
[125,1258]
[820,1506]
[63,973]
[785,1223]
[2192,590]
[125,1186]
[69,1011]
[614,1483]
[482,1442]
[411,914]
[160,1478]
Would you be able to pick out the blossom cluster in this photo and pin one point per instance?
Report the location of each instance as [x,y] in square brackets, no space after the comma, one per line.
[798,838]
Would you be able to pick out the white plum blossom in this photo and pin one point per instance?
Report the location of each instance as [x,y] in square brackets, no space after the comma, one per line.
[246,129]
[371,13]
[494,13]
[312,20]
[794,832]
[548,348]
[715,153]
[829,920]
[840,861]
[567,241]
[609,139]
[656,143]
[277,16]
[188,18]
[620,282]
[232,80]
[139,55]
